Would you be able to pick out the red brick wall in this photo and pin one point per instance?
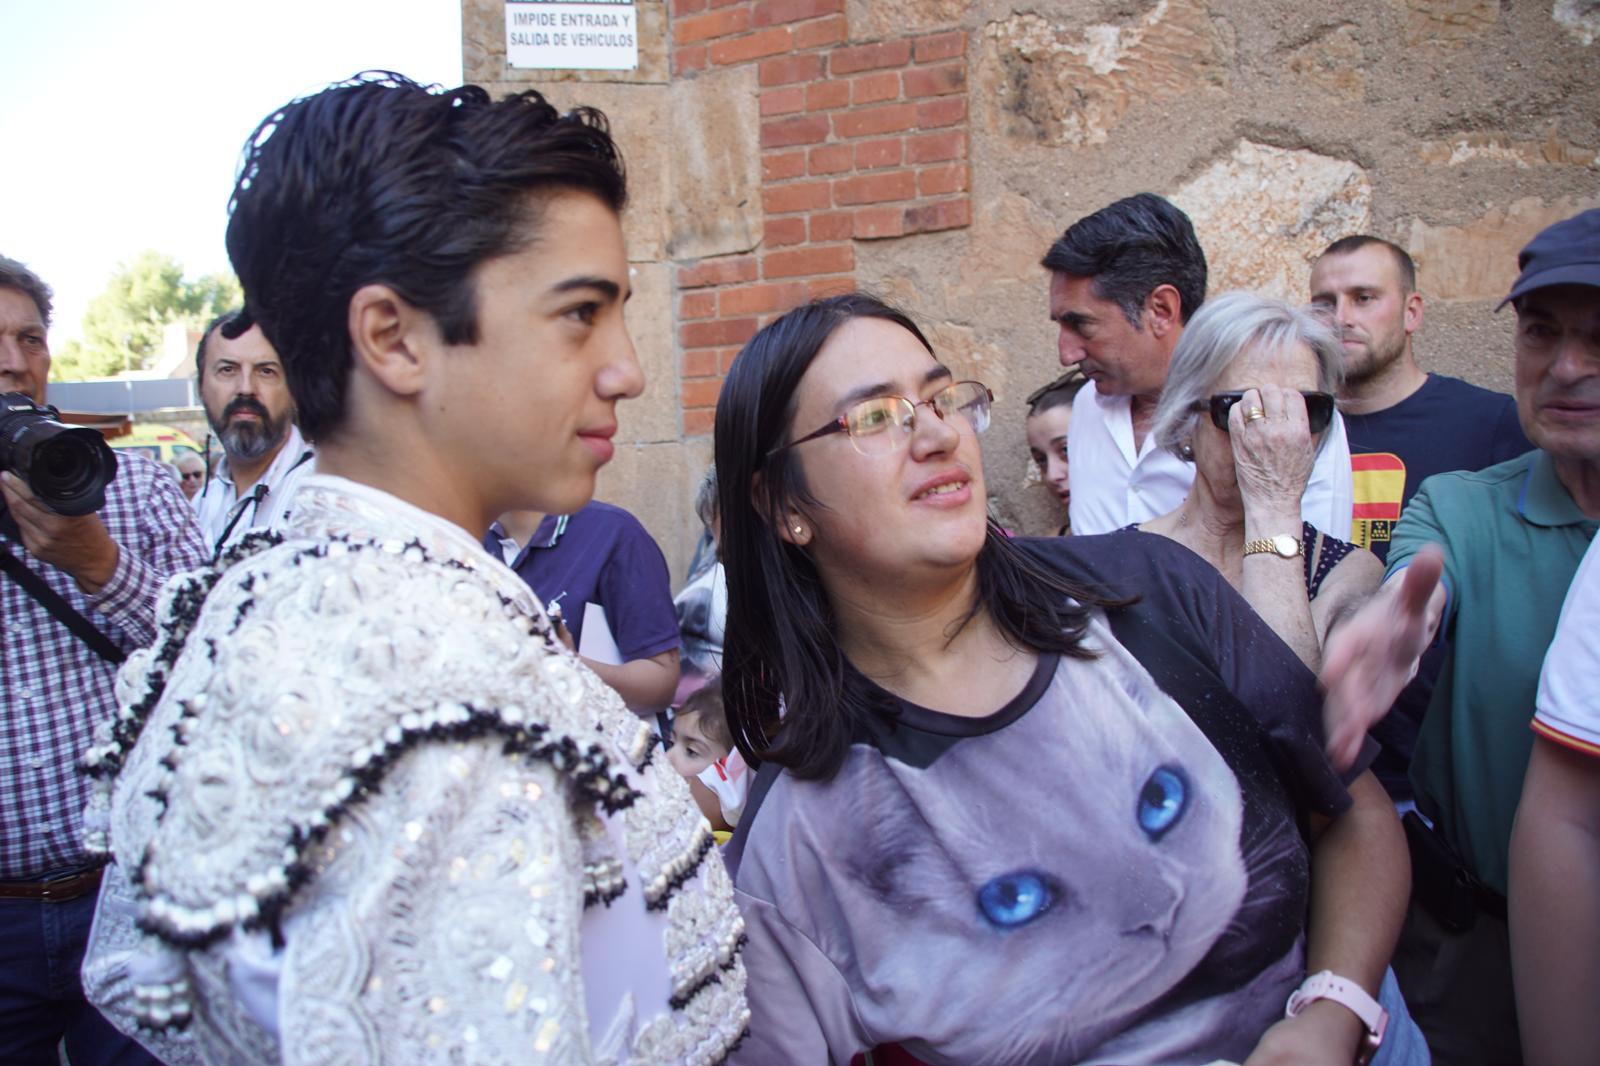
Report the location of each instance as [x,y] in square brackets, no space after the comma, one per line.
[859,141]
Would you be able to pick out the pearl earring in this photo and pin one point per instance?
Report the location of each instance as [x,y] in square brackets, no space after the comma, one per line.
[799,530]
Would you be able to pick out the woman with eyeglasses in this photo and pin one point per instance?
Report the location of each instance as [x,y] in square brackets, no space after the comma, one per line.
[1020,801]
[1248,398]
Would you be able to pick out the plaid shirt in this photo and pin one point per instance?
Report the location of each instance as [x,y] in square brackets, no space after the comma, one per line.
[54,688]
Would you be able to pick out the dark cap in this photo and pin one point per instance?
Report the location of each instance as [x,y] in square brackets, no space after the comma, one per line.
[1566,253]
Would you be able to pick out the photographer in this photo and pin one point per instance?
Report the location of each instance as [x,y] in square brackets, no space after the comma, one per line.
[77,593]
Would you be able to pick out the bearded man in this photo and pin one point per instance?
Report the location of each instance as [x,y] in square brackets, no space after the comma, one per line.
[1510,539]
[251,413]
[1405,425]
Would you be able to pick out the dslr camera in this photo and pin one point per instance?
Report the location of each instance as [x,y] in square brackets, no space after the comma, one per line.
[67,467]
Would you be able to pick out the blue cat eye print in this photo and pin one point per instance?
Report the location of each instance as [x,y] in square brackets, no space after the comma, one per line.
[1161,801]
[1015,899]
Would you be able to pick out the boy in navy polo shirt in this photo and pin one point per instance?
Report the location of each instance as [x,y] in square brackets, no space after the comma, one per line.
[601,555]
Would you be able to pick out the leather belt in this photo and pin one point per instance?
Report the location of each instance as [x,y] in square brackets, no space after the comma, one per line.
[57,889]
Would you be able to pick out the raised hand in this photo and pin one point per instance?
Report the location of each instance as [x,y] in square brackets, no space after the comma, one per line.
[1272,454]
[1370,657]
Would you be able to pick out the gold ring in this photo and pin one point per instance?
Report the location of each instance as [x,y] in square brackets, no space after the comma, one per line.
[1253,413]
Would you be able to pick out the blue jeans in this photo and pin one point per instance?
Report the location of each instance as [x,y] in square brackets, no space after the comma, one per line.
[41,994]
[1403,1044]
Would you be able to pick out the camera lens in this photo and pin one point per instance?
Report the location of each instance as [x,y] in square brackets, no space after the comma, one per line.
[66,467]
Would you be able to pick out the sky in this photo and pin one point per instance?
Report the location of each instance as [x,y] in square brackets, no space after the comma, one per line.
[123,121]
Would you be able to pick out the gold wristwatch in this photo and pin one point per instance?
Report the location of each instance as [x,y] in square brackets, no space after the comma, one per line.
[1283,544]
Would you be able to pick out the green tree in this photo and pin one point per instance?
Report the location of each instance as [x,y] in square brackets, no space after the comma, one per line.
[123,326]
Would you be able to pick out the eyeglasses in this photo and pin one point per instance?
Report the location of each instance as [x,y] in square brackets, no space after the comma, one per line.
[884,424]
[1319,408]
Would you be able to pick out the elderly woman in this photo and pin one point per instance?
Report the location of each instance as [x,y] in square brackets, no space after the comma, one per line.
[1023,801]
[1248,399]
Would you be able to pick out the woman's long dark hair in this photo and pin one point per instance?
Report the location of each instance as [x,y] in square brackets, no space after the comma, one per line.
[780,638]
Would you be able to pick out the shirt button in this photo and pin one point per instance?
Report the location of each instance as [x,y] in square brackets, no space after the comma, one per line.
[37,762]
[48,827]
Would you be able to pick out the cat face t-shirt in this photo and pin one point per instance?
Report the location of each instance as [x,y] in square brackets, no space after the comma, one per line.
[1109,867]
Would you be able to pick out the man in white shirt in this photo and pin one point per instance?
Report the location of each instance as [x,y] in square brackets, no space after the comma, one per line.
[1123,282]
[1555,845]
[248,404]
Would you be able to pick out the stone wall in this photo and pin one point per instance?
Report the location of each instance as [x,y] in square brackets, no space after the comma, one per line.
[932,149]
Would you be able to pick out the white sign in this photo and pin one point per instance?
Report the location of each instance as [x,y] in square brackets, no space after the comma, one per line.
[572,34]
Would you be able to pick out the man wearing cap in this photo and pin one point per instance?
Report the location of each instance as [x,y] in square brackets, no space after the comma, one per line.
[1511,538]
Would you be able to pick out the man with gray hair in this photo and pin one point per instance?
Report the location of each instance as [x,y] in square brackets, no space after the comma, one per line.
[1510,538]
[77,593]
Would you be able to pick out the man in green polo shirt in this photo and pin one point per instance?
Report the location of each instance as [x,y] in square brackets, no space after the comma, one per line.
[1512,537]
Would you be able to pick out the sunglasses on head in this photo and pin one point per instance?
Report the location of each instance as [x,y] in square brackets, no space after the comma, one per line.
[1319,408]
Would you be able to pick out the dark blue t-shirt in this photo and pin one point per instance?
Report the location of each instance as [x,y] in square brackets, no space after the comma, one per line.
[1446,425]
[600,554]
